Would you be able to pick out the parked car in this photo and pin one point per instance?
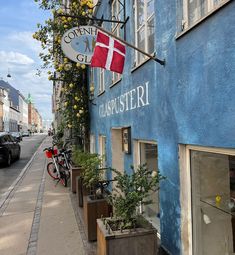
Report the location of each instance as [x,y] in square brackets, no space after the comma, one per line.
[17,136]
[25,133]
[9,149]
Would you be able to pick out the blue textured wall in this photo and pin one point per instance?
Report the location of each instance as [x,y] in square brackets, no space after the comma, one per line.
[191,99]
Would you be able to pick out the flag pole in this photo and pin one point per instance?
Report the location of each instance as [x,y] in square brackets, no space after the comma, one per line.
[162,62]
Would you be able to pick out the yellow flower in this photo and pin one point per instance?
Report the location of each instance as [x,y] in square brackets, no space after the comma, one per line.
[71,85]
[69,125]
[75,107]
[59,41]
[65,104]
[65,60]
[81,111]
[92,88]
[218,199]
[67,67]
[69,19]
[154,174]
[83,66]
[65,26]
[83,13]
[78,65]
[60,11]
[78,114]
[76,98]
[49,72]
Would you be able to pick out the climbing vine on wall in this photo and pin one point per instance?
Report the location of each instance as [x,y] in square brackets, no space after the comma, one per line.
[70,75]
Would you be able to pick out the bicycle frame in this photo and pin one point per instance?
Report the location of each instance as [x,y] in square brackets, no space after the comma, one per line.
[56,166]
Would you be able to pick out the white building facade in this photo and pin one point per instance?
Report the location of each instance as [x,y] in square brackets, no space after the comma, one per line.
[23,118]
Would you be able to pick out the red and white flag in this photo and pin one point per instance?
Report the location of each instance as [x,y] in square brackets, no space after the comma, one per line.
[109,53]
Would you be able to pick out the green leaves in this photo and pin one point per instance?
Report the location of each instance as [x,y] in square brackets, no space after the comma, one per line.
[90,162]
[131,190]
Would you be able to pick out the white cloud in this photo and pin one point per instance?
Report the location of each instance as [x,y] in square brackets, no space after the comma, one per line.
[25,37]
[15,58]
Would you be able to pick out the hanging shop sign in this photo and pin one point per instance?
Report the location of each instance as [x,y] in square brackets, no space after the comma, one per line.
[78,43]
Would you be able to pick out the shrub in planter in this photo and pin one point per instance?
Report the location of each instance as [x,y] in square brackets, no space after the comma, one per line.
[128,232]
[95,204]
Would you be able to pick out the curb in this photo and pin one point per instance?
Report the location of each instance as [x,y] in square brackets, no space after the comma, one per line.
[6,195]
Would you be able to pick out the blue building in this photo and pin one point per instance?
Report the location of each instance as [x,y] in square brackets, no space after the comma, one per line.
[178,118]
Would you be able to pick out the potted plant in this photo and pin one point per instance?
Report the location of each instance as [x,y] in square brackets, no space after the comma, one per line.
[95,203]
[75,169]
[128,232]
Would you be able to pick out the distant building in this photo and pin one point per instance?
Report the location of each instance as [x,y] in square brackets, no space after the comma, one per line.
[1,109]
[23,108]
[6,110]
[34,118]
[10,111]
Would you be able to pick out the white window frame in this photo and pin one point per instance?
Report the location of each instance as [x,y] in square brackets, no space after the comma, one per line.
[102,149]
[210,9]
[101,80]
[92,82]
[137,29]
[137,163]
[186,192]
[116,29]
[92,143]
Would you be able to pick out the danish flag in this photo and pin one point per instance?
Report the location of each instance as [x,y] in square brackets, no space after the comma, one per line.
[108,53]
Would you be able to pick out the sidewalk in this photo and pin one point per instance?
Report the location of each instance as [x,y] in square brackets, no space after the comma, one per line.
[37,217]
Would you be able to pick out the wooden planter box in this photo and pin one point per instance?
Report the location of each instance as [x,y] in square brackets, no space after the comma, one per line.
[81,191]
[138,242]
[93,210]
[75,171]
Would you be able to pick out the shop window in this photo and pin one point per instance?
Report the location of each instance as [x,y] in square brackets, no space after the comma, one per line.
[213,202]
[144,27]
[118,15]
[194,10]
[148,154]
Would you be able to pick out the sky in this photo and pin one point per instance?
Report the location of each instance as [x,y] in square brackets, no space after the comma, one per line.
[19,52]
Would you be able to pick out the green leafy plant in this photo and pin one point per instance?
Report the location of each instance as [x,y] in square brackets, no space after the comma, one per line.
[131,191]
[90,162]
[73,89]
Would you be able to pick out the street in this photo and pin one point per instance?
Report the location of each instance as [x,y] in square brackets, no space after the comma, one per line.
[8,174]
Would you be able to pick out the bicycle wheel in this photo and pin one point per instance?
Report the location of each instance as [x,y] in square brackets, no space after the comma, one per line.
[63,178]
[52,170]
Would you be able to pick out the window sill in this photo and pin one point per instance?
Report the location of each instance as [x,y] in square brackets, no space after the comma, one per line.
[141,64]
[182,33]
[115,83]
[101,93]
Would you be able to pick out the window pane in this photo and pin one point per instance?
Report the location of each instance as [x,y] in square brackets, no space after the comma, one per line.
[193,11]
[149,155]
[140,12]
[150,32]
[213,203]
[150,7]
